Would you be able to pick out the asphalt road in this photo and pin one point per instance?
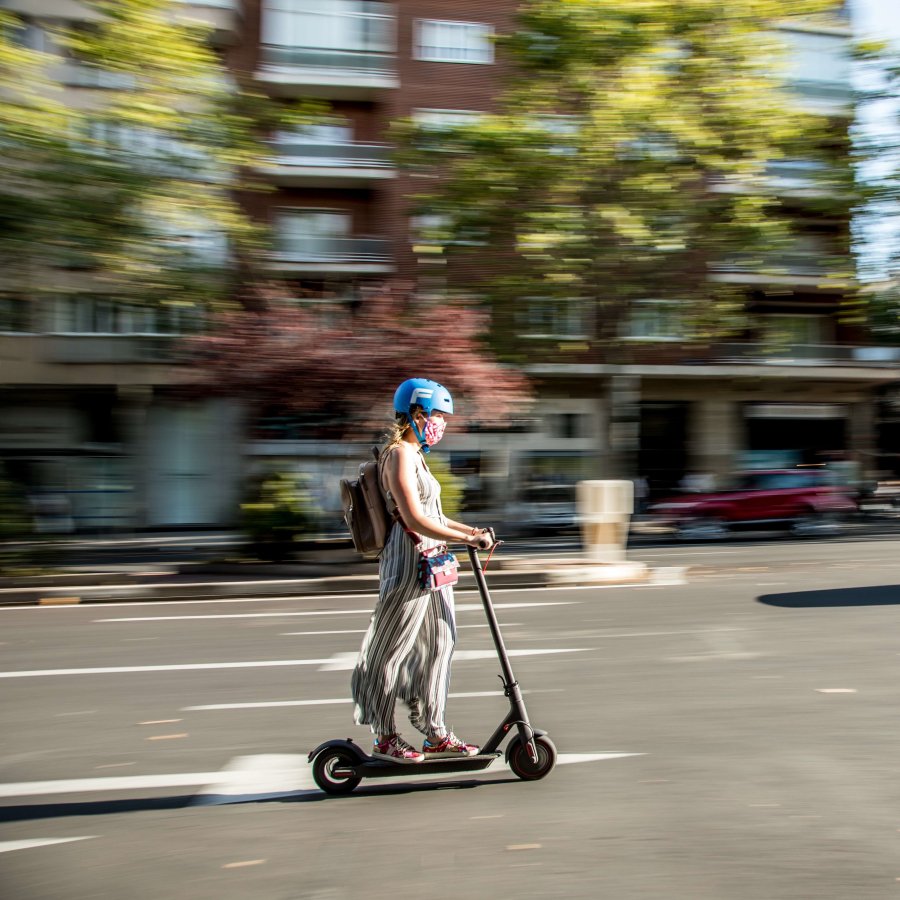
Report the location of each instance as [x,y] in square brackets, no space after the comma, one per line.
[733,737]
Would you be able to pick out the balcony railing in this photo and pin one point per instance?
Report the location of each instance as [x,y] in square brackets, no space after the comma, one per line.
[24,350]
[355,61]
[324,253]
[798,264]
[222,16]
[297,152]
[807,354]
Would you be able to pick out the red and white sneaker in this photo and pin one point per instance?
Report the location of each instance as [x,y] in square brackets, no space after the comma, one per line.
[449,746]
[395,749]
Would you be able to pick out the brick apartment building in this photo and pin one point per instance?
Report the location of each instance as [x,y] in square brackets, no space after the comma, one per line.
[799,382]
[798,386]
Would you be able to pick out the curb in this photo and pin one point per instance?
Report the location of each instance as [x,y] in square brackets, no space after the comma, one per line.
[71,595]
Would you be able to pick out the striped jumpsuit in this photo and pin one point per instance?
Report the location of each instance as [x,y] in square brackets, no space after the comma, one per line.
[408,646]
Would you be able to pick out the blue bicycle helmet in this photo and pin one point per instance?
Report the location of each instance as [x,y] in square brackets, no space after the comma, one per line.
[429,395]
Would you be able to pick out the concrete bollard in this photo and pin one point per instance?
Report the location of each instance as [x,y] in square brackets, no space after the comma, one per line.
[604,512]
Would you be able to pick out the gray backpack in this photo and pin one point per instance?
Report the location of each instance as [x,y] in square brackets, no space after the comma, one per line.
[365,508]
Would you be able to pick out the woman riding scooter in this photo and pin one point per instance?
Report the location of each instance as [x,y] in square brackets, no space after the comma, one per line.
[407,650]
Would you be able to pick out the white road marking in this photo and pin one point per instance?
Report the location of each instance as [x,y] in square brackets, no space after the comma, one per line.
[260,777]
[363,630]
[337,662]
[268,704]
[343,661]
[181,667]
[836,690]
[351,631]
[7,846]
[244,778]
[270,776]
[725,645]
[665,633]
[460,607]
[265,615]
[110,783]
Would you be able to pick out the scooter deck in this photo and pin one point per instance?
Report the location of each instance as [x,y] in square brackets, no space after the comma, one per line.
[381,768]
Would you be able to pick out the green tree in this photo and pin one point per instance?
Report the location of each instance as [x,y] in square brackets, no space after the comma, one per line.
[626,158]
[139,185]
[877,153]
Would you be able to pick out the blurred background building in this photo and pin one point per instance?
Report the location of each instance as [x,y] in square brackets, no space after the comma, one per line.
[82,415]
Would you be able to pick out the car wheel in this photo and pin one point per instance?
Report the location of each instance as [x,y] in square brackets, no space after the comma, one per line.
[816,523]
[703,528]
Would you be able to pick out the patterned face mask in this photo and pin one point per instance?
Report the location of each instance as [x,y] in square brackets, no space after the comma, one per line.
[434,431]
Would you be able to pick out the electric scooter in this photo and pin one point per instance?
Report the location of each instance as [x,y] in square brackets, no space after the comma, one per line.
[338,766]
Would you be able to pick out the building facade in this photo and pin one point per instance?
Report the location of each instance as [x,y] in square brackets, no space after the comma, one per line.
[82,400]
[799,386]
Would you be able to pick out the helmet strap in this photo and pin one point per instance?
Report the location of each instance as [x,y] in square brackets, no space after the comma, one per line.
[420,436]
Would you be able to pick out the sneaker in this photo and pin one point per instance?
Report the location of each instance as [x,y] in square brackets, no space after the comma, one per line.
[395,749]
[415,716]
[449,746]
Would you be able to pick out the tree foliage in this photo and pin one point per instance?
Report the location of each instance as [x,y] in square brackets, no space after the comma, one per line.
[626,157]
[877,152]
[339,366]
[139,184]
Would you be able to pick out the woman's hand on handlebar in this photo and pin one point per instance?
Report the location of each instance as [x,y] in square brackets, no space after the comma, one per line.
[481,539]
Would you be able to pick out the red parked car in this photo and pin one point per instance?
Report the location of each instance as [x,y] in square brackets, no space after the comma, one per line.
[806,501]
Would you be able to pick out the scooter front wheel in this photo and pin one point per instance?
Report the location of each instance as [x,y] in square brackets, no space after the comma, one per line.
[524,766]
[333,771]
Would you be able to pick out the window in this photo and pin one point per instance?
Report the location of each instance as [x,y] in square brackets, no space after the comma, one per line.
[89,314]
[14,314]
[656,320]
[31,37]
[313,223]
[552,318]
[446,118]
[335,25]
[336,131]
[433,230]
[818,58]
[314,234]
[791,330]
[453,42]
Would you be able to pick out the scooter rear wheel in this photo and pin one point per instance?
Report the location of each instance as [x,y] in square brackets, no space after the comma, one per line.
[331,771]
[526,768]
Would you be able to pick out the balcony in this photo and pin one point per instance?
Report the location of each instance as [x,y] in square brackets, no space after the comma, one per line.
[341,55]
[823,271]
[303,163]
[768,353]
[795,178]
[328,255]
[807,355]
[100,358]
[223,17]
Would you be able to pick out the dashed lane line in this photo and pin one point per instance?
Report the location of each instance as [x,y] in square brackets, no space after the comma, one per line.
[337,662]
[336,701]
[367,611]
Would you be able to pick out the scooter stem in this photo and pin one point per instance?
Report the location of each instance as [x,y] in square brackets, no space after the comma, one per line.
[508,677]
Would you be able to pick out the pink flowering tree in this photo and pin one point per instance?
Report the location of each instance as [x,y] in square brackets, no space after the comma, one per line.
[338,365]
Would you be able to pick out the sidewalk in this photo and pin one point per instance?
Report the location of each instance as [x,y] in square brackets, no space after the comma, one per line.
[327,567]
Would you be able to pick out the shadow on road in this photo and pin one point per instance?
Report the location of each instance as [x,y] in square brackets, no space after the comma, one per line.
[877,595]
[29,812]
